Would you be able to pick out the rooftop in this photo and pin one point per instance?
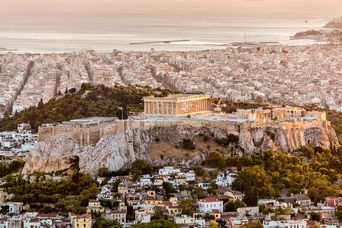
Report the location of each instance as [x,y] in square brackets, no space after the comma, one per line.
[209,200]
[84,216]
[179,96]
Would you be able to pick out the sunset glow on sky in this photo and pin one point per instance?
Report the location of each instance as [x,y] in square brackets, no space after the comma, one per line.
[284,7]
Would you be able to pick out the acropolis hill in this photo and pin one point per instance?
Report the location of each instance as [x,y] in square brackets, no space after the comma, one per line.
[290,75]
[115,143]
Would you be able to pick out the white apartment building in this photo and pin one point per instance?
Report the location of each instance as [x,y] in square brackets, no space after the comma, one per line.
[285,224]
[168,170]
[142,216]
[184,219]
[225,179]
[209,204]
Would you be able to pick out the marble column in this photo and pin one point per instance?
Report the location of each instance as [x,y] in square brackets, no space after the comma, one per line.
[164,108]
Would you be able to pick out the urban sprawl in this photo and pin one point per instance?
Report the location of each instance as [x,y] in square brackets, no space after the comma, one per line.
[292,75]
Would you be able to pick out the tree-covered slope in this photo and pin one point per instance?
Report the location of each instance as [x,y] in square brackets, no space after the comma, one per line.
[89,101]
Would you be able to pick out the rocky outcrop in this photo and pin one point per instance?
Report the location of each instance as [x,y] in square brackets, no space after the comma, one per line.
[56,154]
[287,136]
[113,151]
[117,151]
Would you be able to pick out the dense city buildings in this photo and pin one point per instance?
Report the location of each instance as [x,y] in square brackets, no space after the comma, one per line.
[292,75]
[165,114]
[21,140]
[138,201]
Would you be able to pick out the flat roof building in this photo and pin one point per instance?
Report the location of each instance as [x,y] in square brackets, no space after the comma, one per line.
[178,104]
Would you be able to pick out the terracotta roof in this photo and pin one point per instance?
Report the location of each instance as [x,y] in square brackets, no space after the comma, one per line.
[3,219]
[35,220]
[47,215]
[311,223]
[84,216]
[301,197]
[119,212]
[236,193]
[165,203]
[215,211]
[209,199]
[333,198]
[223,197]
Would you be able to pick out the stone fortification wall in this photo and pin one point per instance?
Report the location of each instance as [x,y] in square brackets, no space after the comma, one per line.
[90,135]
[125,141]
[82,135]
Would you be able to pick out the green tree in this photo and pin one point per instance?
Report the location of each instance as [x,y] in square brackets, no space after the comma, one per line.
[41,103]
[253,225]
[199,171]
[158,213]
[233,206]
[213,224]
[315,217]
[339,213]
[254,182]
[115,185]
[88,194]
[168,188]
[188,144]
[198,192]
[215,160]
[104,172]
[188,206]
[157,224]
[103,223]
[141,167]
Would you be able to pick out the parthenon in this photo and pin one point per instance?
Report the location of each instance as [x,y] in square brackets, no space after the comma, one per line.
[178,104]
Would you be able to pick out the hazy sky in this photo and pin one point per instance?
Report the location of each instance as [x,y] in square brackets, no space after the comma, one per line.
[99,13]
[244,7]
[108,24]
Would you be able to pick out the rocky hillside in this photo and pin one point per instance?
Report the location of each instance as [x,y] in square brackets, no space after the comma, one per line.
[119,151]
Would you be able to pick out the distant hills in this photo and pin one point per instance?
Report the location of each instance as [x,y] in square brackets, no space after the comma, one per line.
[331,32]
[335,23]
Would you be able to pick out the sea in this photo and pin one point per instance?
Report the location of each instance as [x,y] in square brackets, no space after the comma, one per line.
[104,32]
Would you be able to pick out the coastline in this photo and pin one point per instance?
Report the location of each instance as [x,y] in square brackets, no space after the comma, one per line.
[161,37]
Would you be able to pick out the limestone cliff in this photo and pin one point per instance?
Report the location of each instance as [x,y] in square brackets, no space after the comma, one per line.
[117,151]
[53,155]
[287,136]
